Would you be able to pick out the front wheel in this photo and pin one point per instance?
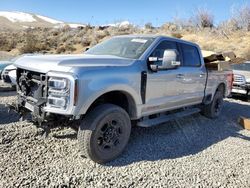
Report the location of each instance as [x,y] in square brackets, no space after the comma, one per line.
[104,133]
[214,109]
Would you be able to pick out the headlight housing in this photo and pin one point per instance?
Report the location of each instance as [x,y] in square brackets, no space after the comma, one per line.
[58,83]
[60,92]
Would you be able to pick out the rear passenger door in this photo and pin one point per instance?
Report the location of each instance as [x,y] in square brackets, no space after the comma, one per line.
[193,74]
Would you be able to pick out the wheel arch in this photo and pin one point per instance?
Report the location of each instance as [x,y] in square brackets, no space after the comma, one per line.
[121,98]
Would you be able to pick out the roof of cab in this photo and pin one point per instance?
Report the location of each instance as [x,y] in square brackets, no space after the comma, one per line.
[160,37]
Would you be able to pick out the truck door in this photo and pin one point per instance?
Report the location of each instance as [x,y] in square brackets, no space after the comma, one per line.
[164,89]
[193,74]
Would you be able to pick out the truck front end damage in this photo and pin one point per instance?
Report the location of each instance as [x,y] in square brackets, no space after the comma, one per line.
[47,97]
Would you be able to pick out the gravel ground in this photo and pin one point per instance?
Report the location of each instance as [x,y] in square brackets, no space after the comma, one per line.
[190,152]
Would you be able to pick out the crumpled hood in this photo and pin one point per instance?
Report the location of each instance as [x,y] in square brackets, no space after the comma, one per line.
[64,63]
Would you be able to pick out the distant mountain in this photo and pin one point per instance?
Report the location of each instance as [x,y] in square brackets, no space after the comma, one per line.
[21,20]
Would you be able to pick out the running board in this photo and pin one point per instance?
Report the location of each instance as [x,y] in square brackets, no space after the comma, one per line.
[164,118]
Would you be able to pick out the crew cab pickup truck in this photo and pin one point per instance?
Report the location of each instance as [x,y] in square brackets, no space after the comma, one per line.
[146,80]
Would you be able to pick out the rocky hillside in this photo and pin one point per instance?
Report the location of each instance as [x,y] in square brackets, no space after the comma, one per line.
[22,33]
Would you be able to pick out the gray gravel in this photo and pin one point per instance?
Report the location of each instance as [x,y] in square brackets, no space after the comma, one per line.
[190,152]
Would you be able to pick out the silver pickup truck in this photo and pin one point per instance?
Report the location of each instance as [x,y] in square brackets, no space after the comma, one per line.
[135,79]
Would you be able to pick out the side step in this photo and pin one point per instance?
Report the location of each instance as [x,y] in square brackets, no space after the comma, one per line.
[165,118]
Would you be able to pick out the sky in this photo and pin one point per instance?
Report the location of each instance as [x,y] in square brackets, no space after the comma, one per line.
[139,12]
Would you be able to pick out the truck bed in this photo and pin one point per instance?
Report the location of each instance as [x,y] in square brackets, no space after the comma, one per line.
[215,77]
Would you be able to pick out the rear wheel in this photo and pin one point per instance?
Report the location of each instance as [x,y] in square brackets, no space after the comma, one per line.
[104,133]
[214,109]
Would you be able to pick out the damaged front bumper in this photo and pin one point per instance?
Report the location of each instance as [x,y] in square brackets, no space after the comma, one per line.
[34,93]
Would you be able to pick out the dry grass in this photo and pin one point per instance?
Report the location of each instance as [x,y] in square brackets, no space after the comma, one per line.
[176,35]
[68,40]
[237,41]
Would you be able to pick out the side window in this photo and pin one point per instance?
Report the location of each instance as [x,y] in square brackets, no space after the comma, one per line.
[190,55]
[165,45]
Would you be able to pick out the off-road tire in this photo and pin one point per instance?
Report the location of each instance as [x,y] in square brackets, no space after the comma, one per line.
[104,133]
[214,109]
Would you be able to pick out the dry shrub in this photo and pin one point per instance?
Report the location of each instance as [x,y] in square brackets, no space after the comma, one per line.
[69,47]
[242,17]
[65,36]
[85,41]
[203,18]
[176,35]
[99,35]
[51,43]
[93,42]
[124,30]
[55,33]
[246,54]
[65,28]
[209,47]
[32,45]
[169,27]
[60,50]
[82,33]
[149,25]
[7,44]
[229,25]
[183,24]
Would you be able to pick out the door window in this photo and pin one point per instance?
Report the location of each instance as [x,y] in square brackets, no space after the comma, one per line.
[159,51]
[190,55]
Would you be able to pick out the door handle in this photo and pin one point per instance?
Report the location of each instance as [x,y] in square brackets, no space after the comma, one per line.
[180,76]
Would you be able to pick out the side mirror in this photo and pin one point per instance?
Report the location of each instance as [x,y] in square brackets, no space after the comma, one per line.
[169,60]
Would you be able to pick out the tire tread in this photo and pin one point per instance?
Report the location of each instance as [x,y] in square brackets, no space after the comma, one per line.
[86,130]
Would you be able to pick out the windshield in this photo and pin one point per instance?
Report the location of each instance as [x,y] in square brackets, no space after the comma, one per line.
[126,47]
[242,67]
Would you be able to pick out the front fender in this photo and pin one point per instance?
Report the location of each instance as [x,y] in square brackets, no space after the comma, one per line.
[95,89]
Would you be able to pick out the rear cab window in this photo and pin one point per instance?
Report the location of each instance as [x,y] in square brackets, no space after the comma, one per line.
[191,56]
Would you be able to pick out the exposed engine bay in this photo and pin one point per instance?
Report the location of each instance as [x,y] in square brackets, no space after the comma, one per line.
[32,91]
[33,96]
[31,84]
